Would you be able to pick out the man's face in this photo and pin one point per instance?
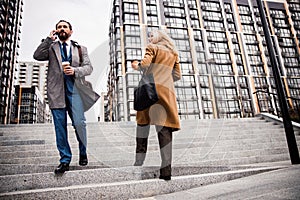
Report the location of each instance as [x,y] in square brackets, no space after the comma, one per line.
[63,31]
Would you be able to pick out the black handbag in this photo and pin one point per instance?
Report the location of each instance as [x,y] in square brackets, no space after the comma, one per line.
[145,94]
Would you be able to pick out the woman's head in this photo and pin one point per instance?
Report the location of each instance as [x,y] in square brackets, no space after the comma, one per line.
[161,38]
[157,36]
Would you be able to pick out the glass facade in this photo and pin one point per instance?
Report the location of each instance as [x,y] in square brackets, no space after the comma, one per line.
[223,54]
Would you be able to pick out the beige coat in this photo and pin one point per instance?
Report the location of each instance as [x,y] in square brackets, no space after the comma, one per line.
[166,69]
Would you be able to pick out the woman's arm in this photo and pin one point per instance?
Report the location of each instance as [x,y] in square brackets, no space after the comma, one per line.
[176,73]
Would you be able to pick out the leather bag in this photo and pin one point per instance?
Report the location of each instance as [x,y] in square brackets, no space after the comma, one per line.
[145,94]
[88,96]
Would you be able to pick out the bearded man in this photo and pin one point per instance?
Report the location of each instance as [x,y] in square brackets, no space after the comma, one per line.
[65,62]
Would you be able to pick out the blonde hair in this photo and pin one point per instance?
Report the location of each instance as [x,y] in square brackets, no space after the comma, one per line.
[162,38]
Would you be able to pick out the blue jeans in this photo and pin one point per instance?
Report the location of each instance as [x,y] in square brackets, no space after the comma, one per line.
[75,110]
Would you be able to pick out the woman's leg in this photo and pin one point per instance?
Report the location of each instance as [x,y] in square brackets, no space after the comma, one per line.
[165,144]
[142,133]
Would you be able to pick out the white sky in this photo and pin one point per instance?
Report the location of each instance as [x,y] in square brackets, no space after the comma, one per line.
[89,18]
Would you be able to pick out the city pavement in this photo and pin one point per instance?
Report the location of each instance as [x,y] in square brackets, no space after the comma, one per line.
[281,184]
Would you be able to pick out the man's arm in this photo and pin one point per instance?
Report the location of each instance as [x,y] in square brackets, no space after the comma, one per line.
[42,51]
[86,67]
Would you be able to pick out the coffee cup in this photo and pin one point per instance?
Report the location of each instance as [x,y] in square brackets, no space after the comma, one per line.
[65,63]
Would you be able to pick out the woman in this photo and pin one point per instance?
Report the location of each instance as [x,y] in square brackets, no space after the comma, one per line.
[162,56]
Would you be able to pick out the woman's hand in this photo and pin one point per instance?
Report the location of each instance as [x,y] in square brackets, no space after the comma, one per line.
[135,64]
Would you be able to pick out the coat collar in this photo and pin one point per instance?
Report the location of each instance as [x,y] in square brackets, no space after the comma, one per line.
[75,54]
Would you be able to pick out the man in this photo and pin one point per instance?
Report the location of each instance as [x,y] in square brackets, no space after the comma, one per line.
[65,62]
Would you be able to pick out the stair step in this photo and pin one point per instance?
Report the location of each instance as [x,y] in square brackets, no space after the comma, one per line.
[125,189]
[28,156]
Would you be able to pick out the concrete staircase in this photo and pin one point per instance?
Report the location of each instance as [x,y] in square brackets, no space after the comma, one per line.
[204,152]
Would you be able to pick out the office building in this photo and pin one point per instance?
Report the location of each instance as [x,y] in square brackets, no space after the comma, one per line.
[30,99]
[225,63]
[33,74]
[29,106]
[10,23]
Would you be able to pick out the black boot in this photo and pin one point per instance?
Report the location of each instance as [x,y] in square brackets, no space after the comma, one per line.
[62,168]
[142,133]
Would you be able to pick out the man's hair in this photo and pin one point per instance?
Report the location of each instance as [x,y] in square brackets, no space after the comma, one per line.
[70,26]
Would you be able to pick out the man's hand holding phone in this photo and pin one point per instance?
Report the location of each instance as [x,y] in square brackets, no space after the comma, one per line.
[53,35]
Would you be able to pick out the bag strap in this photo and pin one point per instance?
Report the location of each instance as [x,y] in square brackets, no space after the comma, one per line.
[79,51]
[151,65]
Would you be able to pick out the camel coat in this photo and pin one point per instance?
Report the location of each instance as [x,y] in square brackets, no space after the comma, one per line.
[166,69]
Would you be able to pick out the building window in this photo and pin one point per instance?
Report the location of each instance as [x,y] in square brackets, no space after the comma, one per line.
[153,20]
[132,30]
[186,68]
[179,22]
[133,54]
[211,6]
[186,81]
[133,79]
[130,8]
[130,18]
[132,41]
[153,2]
[151,10]
[216,36]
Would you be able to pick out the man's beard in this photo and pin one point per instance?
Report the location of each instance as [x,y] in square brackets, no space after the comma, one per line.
[63,36]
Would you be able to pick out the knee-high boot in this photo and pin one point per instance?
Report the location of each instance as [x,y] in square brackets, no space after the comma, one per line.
[165,144]
[142,133]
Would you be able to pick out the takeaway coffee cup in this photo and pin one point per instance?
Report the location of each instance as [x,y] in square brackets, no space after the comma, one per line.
[65,65]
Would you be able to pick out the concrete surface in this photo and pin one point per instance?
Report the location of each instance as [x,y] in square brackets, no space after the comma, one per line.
[281,184]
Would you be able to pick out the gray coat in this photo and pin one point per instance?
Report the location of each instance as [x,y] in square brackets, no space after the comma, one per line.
[50,50]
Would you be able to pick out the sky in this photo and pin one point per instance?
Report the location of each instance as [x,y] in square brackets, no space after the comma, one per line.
[89,18]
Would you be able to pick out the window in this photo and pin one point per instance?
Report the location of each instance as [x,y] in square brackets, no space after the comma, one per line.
[244,10]
[182,44]
[173,3]
[153,20]
[217,36]
[132,41]
[177,33]
[151,10]
[186,68]
[130,18]
[133,80]
[174,12]
[176,22]
[252,48]
[132,30]
[212,6]
[133,54]
[222,69]
[213,25]
[185,56]
[186,81]
[130,8]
